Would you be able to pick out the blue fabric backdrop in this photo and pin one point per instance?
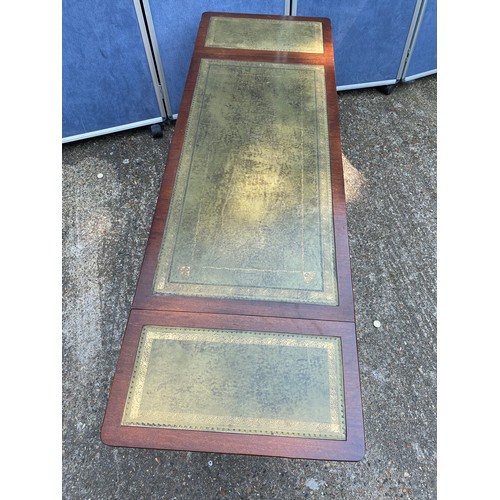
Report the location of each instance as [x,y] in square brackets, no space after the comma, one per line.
[106,78]
[369,36]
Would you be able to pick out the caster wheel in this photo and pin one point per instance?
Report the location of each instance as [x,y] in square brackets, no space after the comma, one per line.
[387,89]
[156,131]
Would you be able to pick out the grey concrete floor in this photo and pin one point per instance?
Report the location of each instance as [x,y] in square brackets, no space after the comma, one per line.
[389,147]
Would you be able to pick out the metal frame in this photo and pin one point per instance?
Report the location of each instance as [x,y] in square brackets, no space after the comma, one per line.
[119,128]
[415,25]
[355,86]
[420,75]
[154,49]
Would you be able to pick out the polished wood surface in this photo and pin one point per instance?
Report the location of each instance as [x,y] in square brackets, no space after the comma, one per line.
[151,309]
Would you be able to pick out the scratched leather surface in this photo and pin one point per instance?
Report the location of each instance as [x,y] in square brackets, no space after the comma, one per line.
[251,212]
[265,34]
[233,381]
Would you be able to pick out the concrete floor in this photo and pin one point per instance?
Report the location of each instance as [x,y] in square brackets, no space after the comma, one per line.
[389,146]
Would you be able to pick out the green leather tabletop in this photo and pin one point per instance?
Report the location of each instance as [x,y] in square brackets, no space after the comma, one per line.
[251,211]
[265,34]
[234,381]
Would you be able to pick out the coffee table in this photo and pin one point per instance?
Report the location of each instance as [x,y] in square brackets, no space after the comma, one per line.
[241,337]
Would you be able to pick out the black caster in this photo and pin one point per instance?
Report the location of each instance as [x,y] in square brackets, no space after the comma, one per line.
[156,131]
[387,89]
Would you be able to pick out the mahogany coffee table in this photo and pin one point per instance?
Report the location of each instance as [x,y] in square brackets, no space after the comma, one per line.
[241,337]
